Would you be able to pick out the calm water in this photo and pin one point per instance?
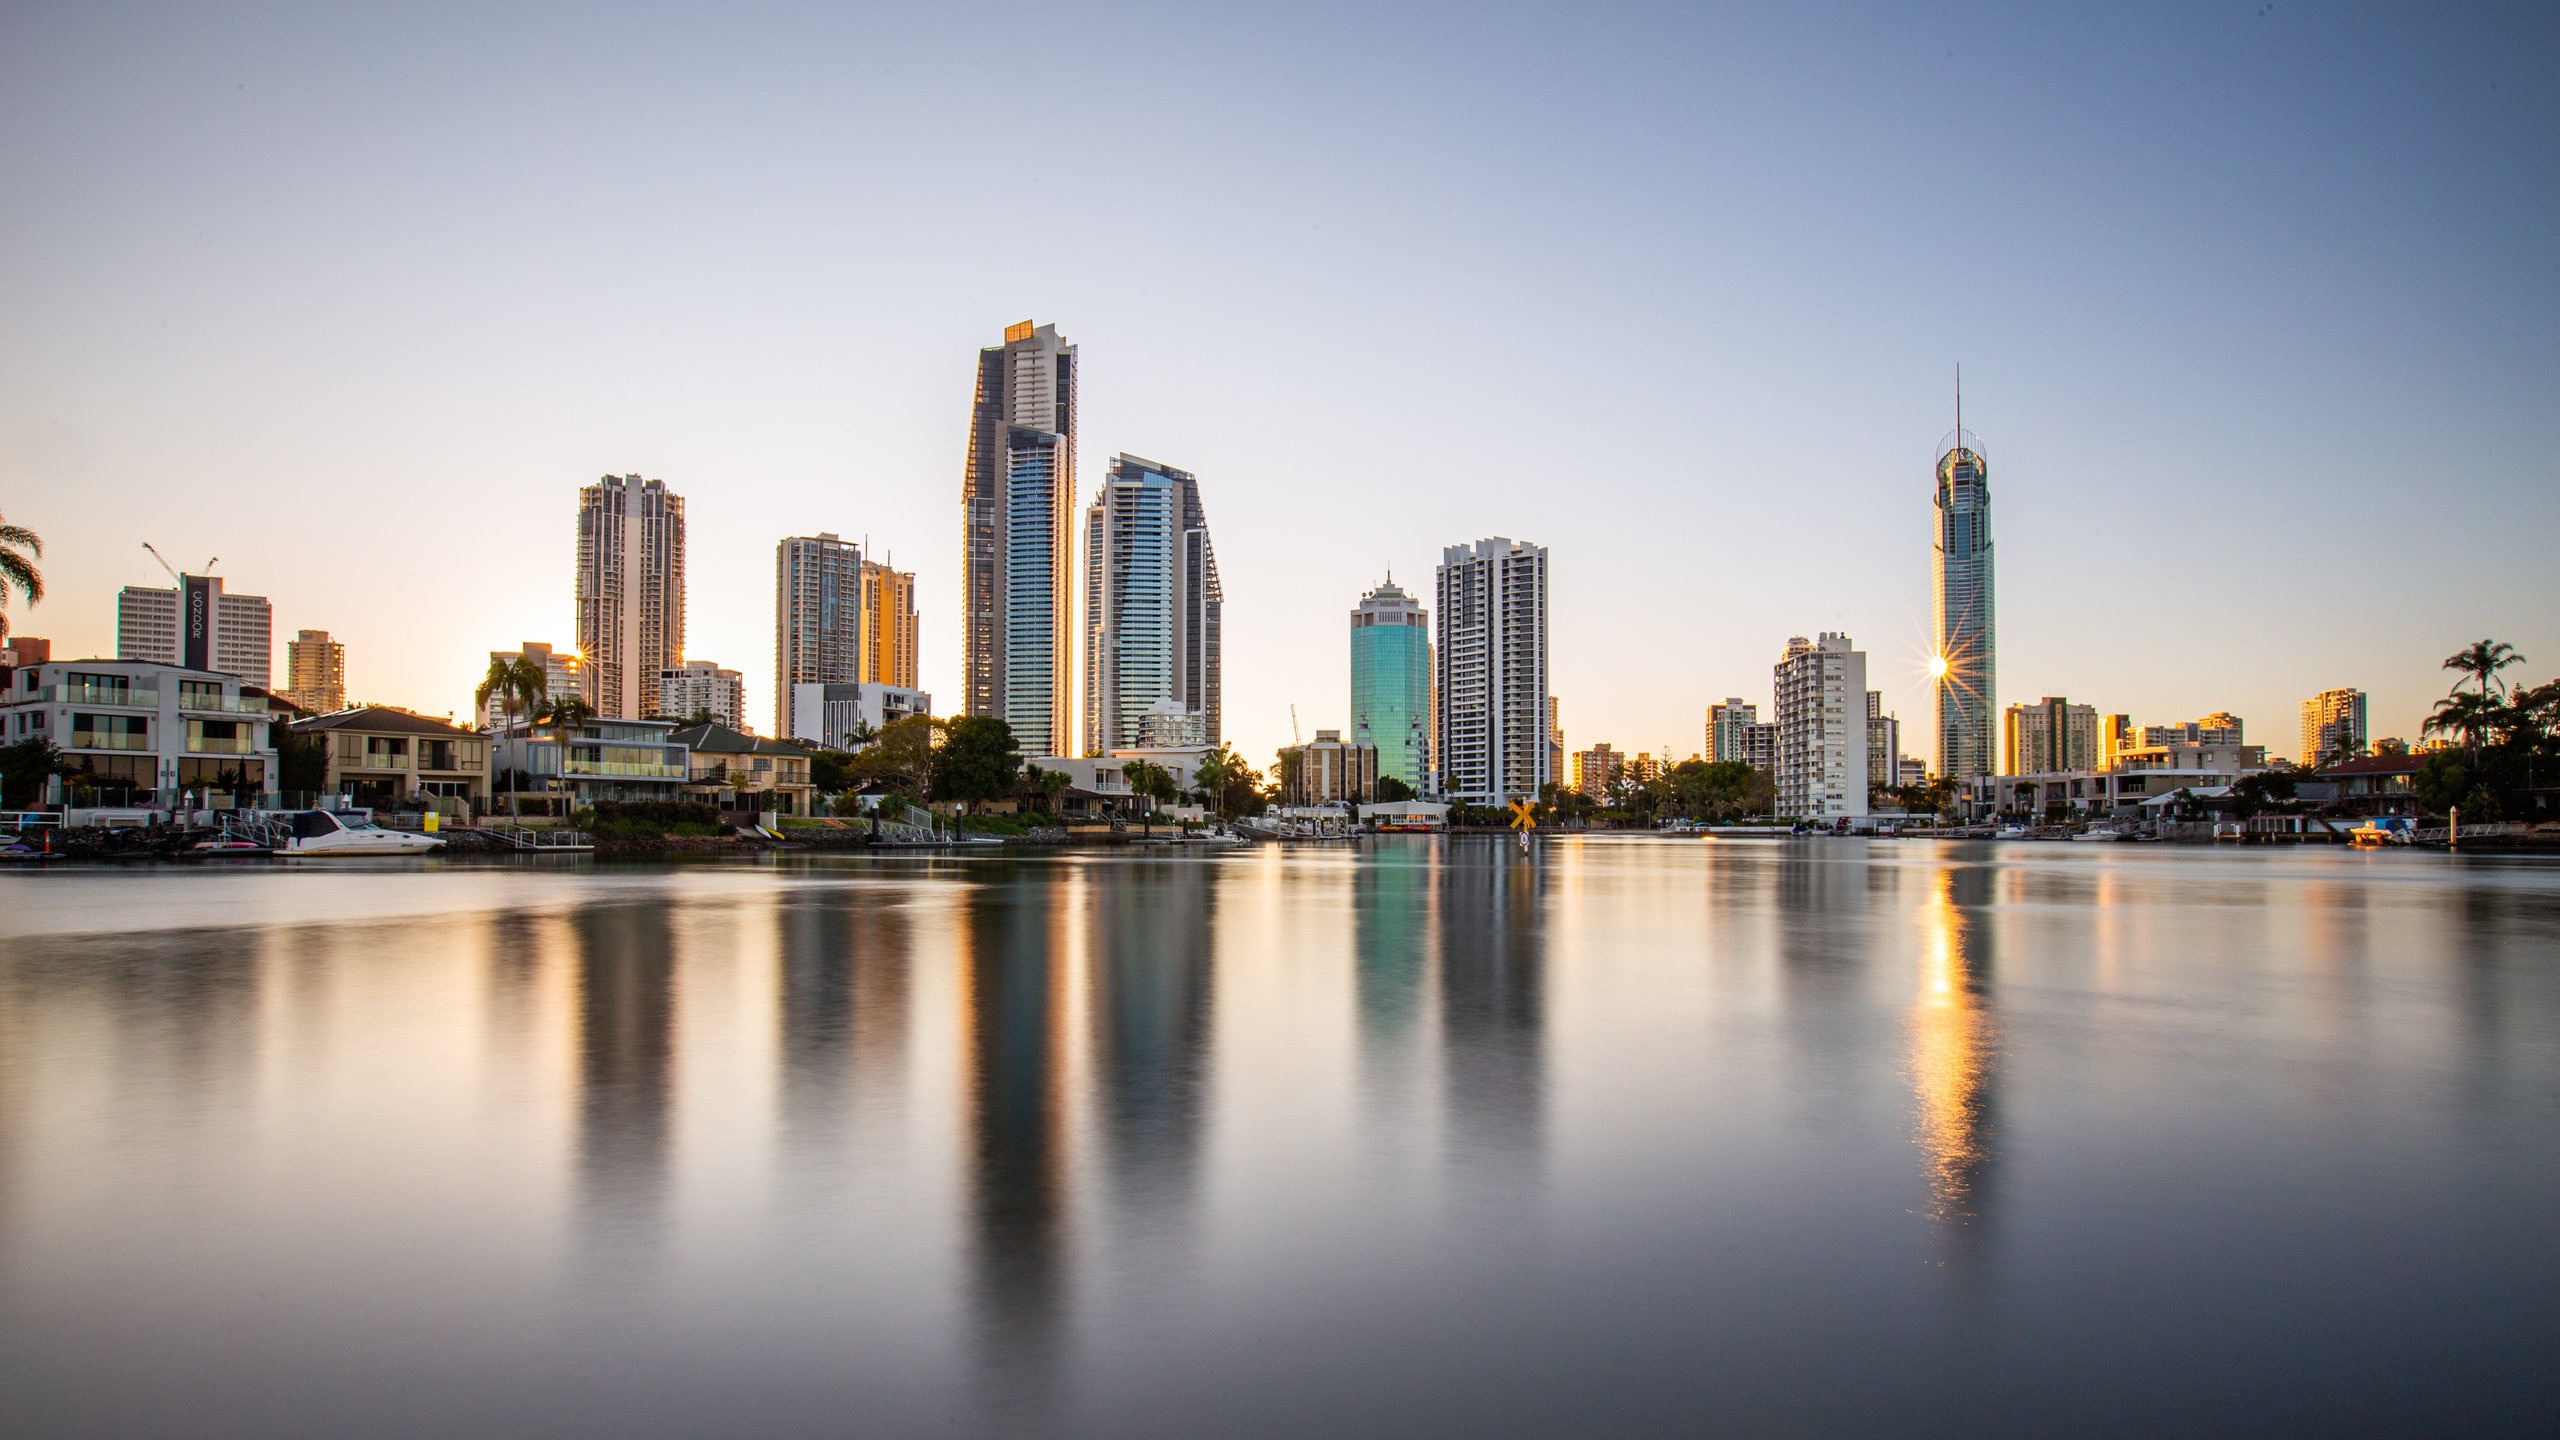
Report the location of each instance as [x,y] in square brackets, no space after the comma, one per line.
[1637,1138]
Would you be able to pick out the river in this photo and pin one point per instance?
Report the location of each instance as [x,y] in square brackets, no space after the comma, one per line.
[1419,1137]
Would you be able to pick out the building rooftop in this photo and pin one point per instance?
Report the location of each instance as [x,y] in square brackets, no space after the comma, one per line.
[381,719]
[2376,765]
[712,738]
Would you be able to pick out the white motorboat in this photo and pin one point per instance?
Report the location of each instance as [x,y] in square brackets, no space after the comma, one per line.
[2010,832]
[320,832]
[2101,832]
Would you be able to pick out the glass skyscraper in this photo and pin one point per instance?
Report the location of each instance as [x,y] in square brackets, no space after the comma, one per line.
[1017,501]
[1961,582]
[1153,607]
[1391,682]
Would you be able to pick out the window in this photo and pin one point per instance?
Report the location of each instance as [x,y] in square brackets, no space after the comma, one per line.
[199,694]
[110,732]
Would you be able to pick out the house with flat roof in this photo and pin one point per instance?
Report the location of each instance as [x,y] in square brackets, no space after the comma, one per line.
[142,734]
[598,759]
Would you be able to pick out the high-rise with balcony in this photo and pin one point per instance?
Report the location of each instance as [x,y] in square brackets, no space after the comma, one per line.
[1967,662]
[1728,724]
[1017,502]
[1822,728]
[1391,682]
[1494,721]
[889,626]
[630,591]
[818,629]
[198,625]
[2049,736]
[315,668]
[1153,606]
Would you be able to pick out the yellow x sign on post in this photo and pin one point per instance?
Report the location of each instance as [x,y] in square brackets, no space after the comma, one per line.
[1521,816]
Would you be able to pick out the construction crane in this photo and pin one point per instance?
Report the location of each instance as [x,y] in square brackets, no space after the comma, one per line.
[1294,737]
[173,570]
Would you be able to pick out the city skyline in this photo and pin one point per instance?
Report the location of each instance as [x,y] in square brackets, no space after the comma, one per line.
[225,320]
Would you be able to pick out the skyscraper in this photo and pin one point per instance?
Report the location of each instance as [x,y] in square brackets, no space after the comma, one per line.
[1153,606]
[315,668]
[630,591]
[1017,499]
[1822,728]
[1966,665]
[1727,726]
[818,630]
[889,626]
[1391,682]
[1494,723]
[2052,734]
[199,625]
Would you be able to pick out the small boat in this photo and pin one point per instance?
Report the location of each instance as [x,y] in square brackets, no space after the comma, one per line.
[2100,832]
[25,853]
[2010,832]
[2377,832]
[321,832]
[231,847]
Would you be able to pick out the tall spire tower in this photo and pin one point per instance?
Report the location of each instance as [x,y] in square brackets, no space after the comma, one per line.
[1017,501]
[1966,665]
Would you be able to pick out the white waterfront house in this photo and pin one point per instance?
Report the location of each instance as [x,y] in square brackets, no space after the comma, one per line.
[138,734]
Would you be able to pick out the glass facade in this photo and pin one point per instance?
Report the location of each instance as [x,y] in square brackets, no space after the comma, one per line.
[1391,682]
[1967,637]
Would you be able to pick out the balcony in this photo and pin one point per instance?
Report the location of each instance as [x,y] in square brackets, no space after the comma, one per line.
[216,745]
[622,769]
[91,695]
[221,705]
[373,762]
[95,740]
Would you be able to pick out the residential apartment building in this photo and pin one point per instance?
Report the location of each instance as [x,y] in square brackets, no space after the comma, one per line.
[1726,724]
[1154,610]
[1328,771]
[212,629]
[1884,741]
[2330,719]
[890,630]
[630,591]
[1822,742]
[818,631]
[2051,735]
[315,668]
[1391,682]
[380,756]
[698,688]
[1961,584]
[1494,728]
[1555,738]
[1596,770]
[1017,501]
[2219,728]
[841,717]
[135,733]
[2116,735]
[563,675]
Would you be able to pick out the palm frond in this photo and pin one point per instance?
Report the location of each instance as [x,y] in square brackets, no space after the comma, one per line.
[14,570]
[22,537]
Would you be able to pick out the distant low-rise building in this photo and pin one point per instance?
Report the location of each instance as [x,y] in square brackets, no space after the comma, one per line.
[379,756]
[1596,770]
[1328,771]
[2219,728]
[842,717]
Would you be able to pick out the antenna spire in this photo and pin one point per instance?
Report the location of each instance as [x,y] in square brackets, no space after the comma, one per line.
[1959,405]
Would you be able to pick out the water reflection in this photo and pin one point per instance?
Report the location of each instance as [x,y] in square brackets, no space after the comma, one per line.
[626,1059]
[1493,1008]
[1013,1036]
[1152,950]
[1954,1045]
[841,1018]
[1392,920]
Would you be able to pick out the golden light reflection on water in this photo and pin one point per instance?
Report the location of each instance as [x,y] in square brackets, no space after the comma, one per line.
[1952,1053]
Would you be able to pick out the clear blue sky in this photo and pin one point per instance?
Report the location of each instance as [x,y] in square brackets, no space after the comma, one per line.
[2258,307]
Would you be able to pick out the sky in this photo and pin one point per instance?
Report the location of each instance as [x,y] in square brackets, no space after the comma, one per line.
[2258,309]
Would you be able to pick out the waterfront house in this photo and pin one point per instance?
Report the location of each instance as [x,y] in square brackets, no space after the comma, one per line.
[380,756]
[621,760]
[738,771]
[139,734]
[2376,784]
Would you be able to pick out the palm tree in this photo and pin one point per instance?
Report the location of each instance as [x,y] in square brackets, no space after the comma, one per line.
[2481,660]
[569,712]
[19,569]
[2469,716]
[517,682]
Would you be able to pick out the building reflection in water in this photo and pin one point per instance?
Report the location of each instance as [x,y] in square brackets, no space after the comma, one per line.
[1493,1008]
[1392,893]
[626,1058]
[1954,1046]
[842,1018]
[1013,986]
[1152,928]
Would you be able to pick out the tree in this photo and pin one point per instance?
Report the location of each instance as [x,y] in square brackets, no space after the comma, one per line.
[2341,746]
[24,767]
[831,771]
[2481,661]
[977,762]
[1147,780]
[19,569]
[2470,716]
[302,761]
[517,683]
[1043,786]
[1392,791]
[900,755]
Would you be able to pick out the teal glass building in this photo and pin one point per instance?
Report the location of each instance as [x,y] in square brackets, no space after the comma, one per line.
[1391,682]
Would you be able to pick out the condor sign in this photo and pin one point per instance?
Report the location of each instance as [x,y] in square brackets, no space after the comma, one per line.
[195,621]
